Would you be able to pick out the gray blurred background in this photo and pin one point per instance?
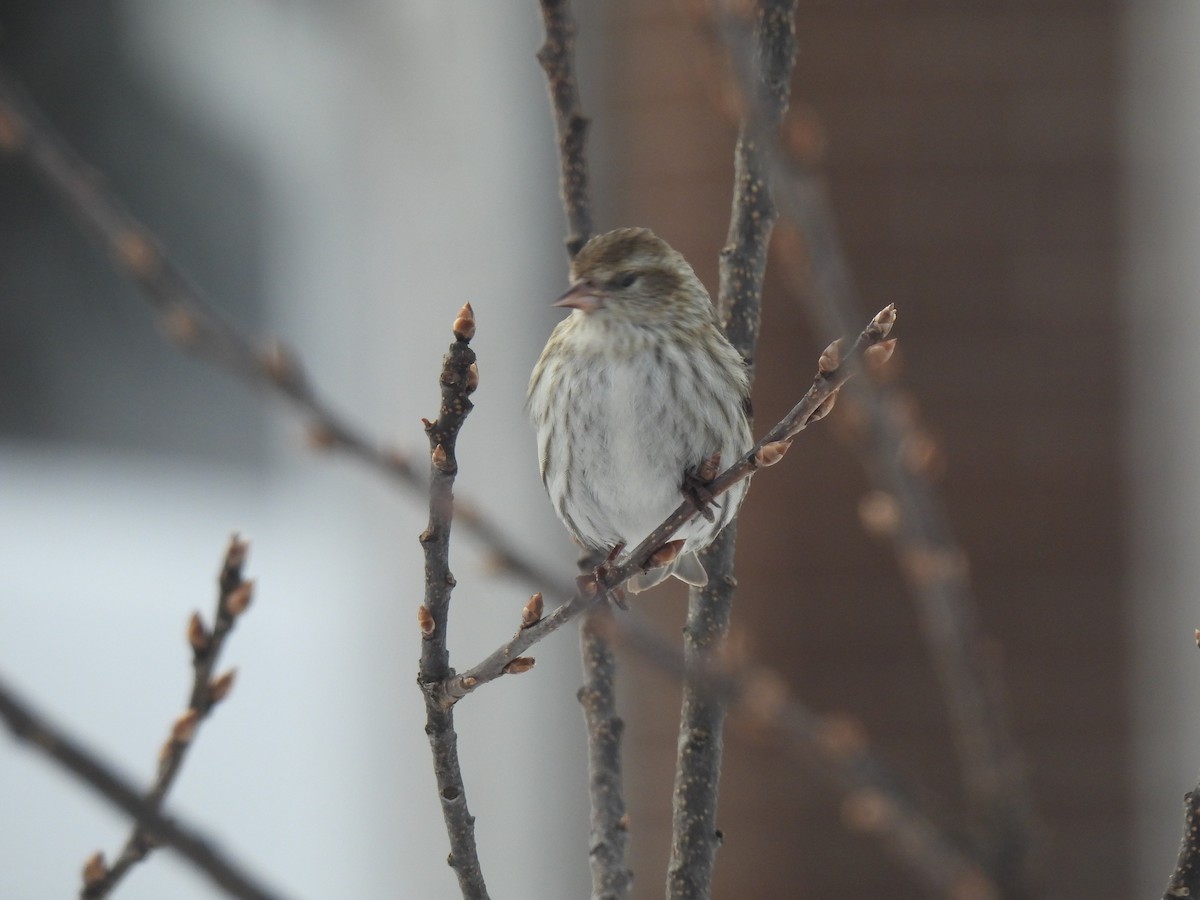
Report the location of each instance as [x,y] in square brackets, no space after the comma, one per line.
[1018,176]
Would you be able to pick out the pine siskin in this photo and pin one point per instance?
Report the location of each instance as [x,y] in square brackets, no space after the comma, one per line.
[635,389]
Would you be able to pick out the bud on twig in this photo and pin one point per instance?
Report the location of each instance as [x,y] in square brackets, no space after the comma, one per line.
[320,437]
[236,553]
[519,665]
[279,364]
[771,453]
[464,325]
[219,687]
[532,613]
[185,726]
[824,409]
[95,869]
[179,326]
[425,621]
[10,133]
[876,357]
[472,378]
[884,320]
[135,253]
[867,810]
[879,513]
[831,358]
[197,633]
[441,461]
[239,599]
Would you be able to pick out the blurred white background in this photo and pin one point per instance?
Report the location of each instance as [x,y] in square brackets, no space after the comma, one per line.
[344,177]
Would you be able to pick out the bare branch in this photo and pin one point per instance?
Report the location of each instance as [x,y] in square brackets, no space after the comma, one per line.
[767,451]
[233,598]
[53,743]
[187,319]
[834,747]
[694,835]
[993,773]
[434,614]
[611,878]
[557,57]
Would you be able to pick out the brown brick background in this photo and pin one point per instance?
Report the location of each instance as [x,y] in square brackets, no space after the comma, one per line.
[971,154]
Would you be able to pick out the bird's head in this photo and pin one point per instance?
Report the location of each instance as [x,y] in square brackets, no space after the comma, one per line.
[633,276]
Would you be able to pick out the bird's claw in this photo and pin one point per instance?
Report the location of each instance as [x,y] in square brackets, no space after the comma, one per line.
[593,584]
[696,483]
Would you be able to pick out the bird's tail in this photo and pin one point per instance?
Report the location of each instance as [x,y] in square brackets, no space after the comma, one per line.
[686,567]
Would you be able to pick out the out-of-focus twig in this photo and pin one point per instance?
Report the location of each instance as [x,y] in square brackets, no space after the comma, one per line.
[557,57]
[743,263]
[52,742]
[188,320]
[611,877]
[233,598]
[457,381]
[834,747]
[933,562]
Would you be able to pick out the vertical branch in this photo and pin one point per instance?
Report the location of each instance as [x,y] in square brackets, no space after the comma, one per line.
[611,879]
[233,598]
[557,57]
[743,260]
[458,380]
[695,838]
[1185,880]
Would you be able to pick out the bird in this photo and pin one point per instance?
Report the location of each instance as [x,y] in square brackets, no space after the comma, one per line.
[635,399]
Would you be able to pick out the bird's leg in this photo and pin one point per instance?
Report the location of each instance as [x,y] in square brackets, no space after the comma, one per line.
[696,482]
[591,584]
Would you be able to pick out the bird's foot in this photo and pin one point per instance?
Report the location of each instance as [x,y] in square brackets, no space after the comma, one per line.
[592,584]
[697,482]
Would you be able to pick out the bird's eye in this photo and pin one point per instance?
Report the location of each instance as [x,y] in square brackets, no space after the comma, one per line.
[627,279]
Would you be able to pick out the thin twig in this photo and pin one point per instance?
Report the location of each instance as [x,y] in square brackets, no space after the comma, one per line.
[458,380]
[53,743]
[557,57]
[835,748]
[694,835]
[770,448]
[190,322]
[611,877]
[233,598]
[993,774]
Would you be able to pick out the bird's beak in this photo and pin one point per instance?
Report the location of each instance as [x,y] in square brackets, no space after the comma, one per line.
[582,296]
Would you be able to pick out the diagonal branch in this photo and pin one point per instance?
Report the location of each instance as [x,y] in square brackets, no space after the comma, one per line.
[233,598]
[836,748]
[53,743]
[458,380]
[834,369]
[188,320]
[694,835]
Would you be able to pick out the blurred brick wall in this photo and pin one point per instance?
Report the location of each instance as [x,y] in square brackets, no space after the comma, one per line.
[971,152]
